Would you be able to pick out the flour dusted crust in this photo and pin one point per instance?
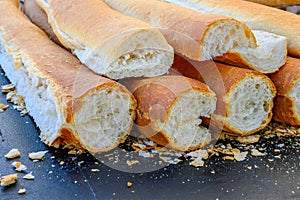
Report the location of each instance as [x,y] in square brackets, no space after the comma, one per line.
[70,104]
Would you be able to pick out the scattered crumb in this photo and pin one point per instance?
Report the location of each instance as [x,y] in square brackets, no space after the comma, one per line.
[129,184]
[8,88]
[3,107]
[228,158]
[40,155]
[199,153]
[9,179]
[22,191]
[19,167]
[132,162]
[248,139]
[29,176]
[72,152]
[198,162]
[255,152]
[61,162]
[95,170]
[13,153]
[240,156]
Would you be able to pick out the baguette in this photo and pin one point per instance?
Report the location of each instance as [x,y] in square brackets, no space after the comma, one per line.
[245,97]
[267,58]
[195,35]
[277,3]
[69,103]
[256,16]
[287,81]
[39,18]
[108,42]
[169,108]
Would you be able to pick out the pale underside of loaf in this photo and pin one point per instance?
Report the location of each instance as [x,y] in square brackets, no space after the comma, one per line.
[197,36]
[103,121]
[137,51]
[250,104]
[268,57]
[183,126]
[256,16]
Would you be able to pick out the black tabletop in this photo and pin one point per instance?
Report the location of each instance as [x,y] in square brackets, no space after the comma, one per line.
[86,177]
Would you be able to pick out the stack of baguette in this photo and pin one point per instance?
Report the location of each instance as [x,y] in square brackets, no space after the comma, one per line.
[96,113]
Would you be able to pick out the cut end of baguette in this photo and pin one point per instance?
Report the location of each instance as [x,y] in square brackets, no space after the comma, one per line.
[268,57]
[183,126]
[105,119]
[225,35]
[139,51]
[250,105]
[295,96]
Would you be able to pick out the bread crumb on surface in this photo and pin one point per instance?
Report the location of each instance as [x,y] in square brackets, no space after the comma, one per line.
[129,184]
[19,167]
[7,88]
[9,179]
[13,153]
[22,191]
[95,170]
[240,156]
[3,107]
[28,176]
[40,155]
[248,139]
[255,152]
[132,162]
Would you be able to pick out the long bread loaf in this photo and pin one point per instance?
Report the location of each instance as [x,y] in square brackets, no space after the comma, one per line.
[108,42]
[69,103]
[245,97]
[195,35]
[287,102]
[169,110]
[256,16]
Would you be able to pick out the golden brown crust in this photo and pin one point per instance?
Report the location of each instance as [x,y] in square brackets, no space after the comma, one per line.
[103,19]
[39,17]
[284,80]
[184,29]
[277,3]
[234,59]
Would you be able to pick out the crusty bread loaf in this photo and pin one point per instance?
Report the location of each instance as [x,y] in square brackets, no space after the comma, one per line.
[169,110]
[245,97]
[277,3]
[267,58]
[256,16]
[195,35]
[287,102]
[39,17]
[108,42]
[70,104]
